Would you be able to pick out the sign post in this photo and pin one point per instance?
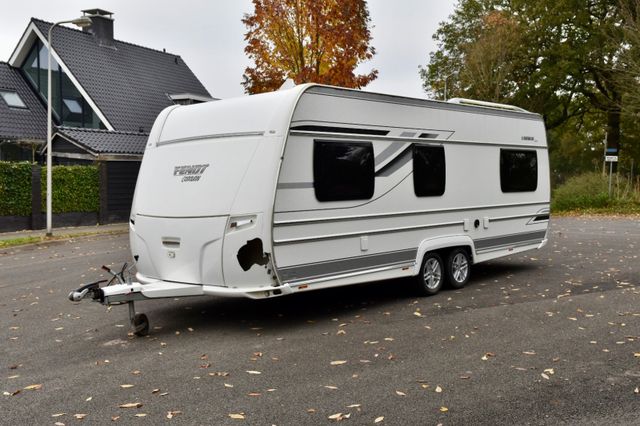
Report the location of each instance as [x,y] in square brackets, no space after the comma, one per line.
[611,156]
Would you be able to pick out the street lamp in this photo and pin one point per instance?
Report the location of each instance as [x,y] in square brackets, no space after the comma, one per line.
[82,22]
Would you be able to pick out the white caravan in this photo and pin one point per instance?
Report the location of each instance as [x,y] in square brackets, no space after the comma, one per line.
[316,187]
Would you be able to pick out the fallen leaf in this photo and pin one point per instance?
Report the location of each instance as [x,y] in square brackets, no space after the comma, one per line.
[115,418]
[140,415]
[636,354]
[378,419]
[131,405]
[353,406]
[58,414]
[89,399]
[400,393]
[418,314]
[529,352]
[59,424]
[488,355]
[33,387]
[79,416]
[172,414]
[253,372]
[338,362]
[544,376]
[443,409]
[155,391]
[126,386]
[254,394]
[237,416]
[549,371]
[438,389]
[337,417]
[331,387]
[636,390]
[227,385]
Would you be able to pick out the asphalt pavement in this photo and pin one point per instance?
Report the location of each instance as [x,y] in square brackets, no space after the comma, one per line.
[547,337]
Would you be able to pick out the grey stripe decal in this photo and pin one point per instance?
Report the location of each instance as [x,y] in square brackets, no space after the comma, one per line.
[278,222]
[341,266]
[214,136]
[415,140]
[485,243]
[295,185]
[386,153]
[394,165]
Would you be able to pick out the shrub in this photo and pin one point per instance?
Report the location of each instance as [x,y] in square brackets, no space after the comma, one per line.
[15,188]
[590,191]
[75,189]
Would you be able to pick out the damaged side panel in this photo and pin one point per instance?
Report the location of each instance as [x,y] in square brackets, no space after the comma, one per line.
[251,254]
[246,260]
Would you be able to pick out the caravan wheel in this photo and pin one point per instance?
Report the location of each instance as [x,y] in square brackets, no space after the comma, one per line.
[429,280]
[458,268]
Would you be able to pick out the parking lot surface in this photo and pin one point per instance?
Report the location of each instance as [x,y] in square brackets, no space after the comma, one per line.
[547,337]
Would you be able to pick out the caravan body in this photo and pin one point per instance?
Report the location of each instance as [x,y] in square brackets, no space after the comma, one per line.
[318,186]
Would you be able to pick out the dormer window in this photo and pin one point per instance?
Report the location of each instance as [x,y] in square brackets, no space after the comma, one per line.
[12,99]
[69,106]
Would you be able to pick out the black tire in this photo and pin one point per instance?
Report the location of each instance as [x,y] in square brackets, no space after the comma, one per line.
[458,268]
[431,277]
[140,325]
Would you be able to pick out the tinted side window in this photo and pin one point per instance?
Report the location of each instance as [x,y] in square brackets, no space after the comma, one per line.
[518,170]
[343,170]
[429,170]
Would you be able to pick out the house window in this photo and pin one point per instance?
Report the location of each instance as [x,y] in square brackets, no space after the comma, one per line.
[518,170]
[68,105]
[12,99]
[343,170]
[429,170]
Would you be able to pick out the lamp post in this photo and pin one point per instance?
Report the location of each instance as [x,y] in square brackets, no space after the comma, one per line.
[83,21]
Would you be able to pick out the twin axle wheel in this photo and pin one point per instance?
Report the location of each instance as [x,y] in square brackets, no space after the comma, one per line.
[434,272]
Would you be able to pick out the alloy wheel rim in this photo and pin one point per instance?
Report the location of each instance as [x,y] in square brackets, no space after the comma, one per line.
[460,267]
[432,273]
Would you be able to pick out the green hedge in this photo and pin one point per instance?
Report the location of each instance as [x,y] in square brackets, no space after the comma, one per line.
[75,189]
[15,188]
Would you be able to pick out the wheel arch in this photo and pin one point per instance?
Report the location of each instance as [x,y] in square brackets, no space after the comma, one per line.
[442,245]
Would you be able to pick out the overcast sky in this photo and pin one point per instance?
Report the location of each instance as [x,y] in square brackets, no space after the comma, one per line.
[209,35]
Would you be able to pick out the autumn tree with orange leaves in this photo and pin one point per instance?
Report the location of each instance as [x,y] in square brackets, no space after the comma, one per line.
[320,41]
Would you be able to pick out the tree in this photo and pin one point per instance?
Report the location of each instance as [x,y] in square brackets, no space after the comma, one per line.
[566,61]
[321,41]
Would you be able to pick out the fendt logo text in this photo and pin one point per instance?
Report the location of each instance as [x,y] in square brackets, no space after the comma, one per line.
[190,173]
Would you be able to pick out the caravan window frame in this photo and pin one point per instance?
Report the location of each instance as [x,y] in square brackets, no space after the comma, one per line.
[355,184]
[429,181]
[530,181]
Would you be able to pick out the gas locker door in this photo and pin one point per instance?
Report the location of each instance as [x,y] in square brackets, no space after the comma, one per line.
[245,262]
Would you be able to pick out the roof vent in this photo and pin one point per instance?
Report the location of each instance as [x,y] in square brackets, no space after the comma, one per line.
[101,26]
